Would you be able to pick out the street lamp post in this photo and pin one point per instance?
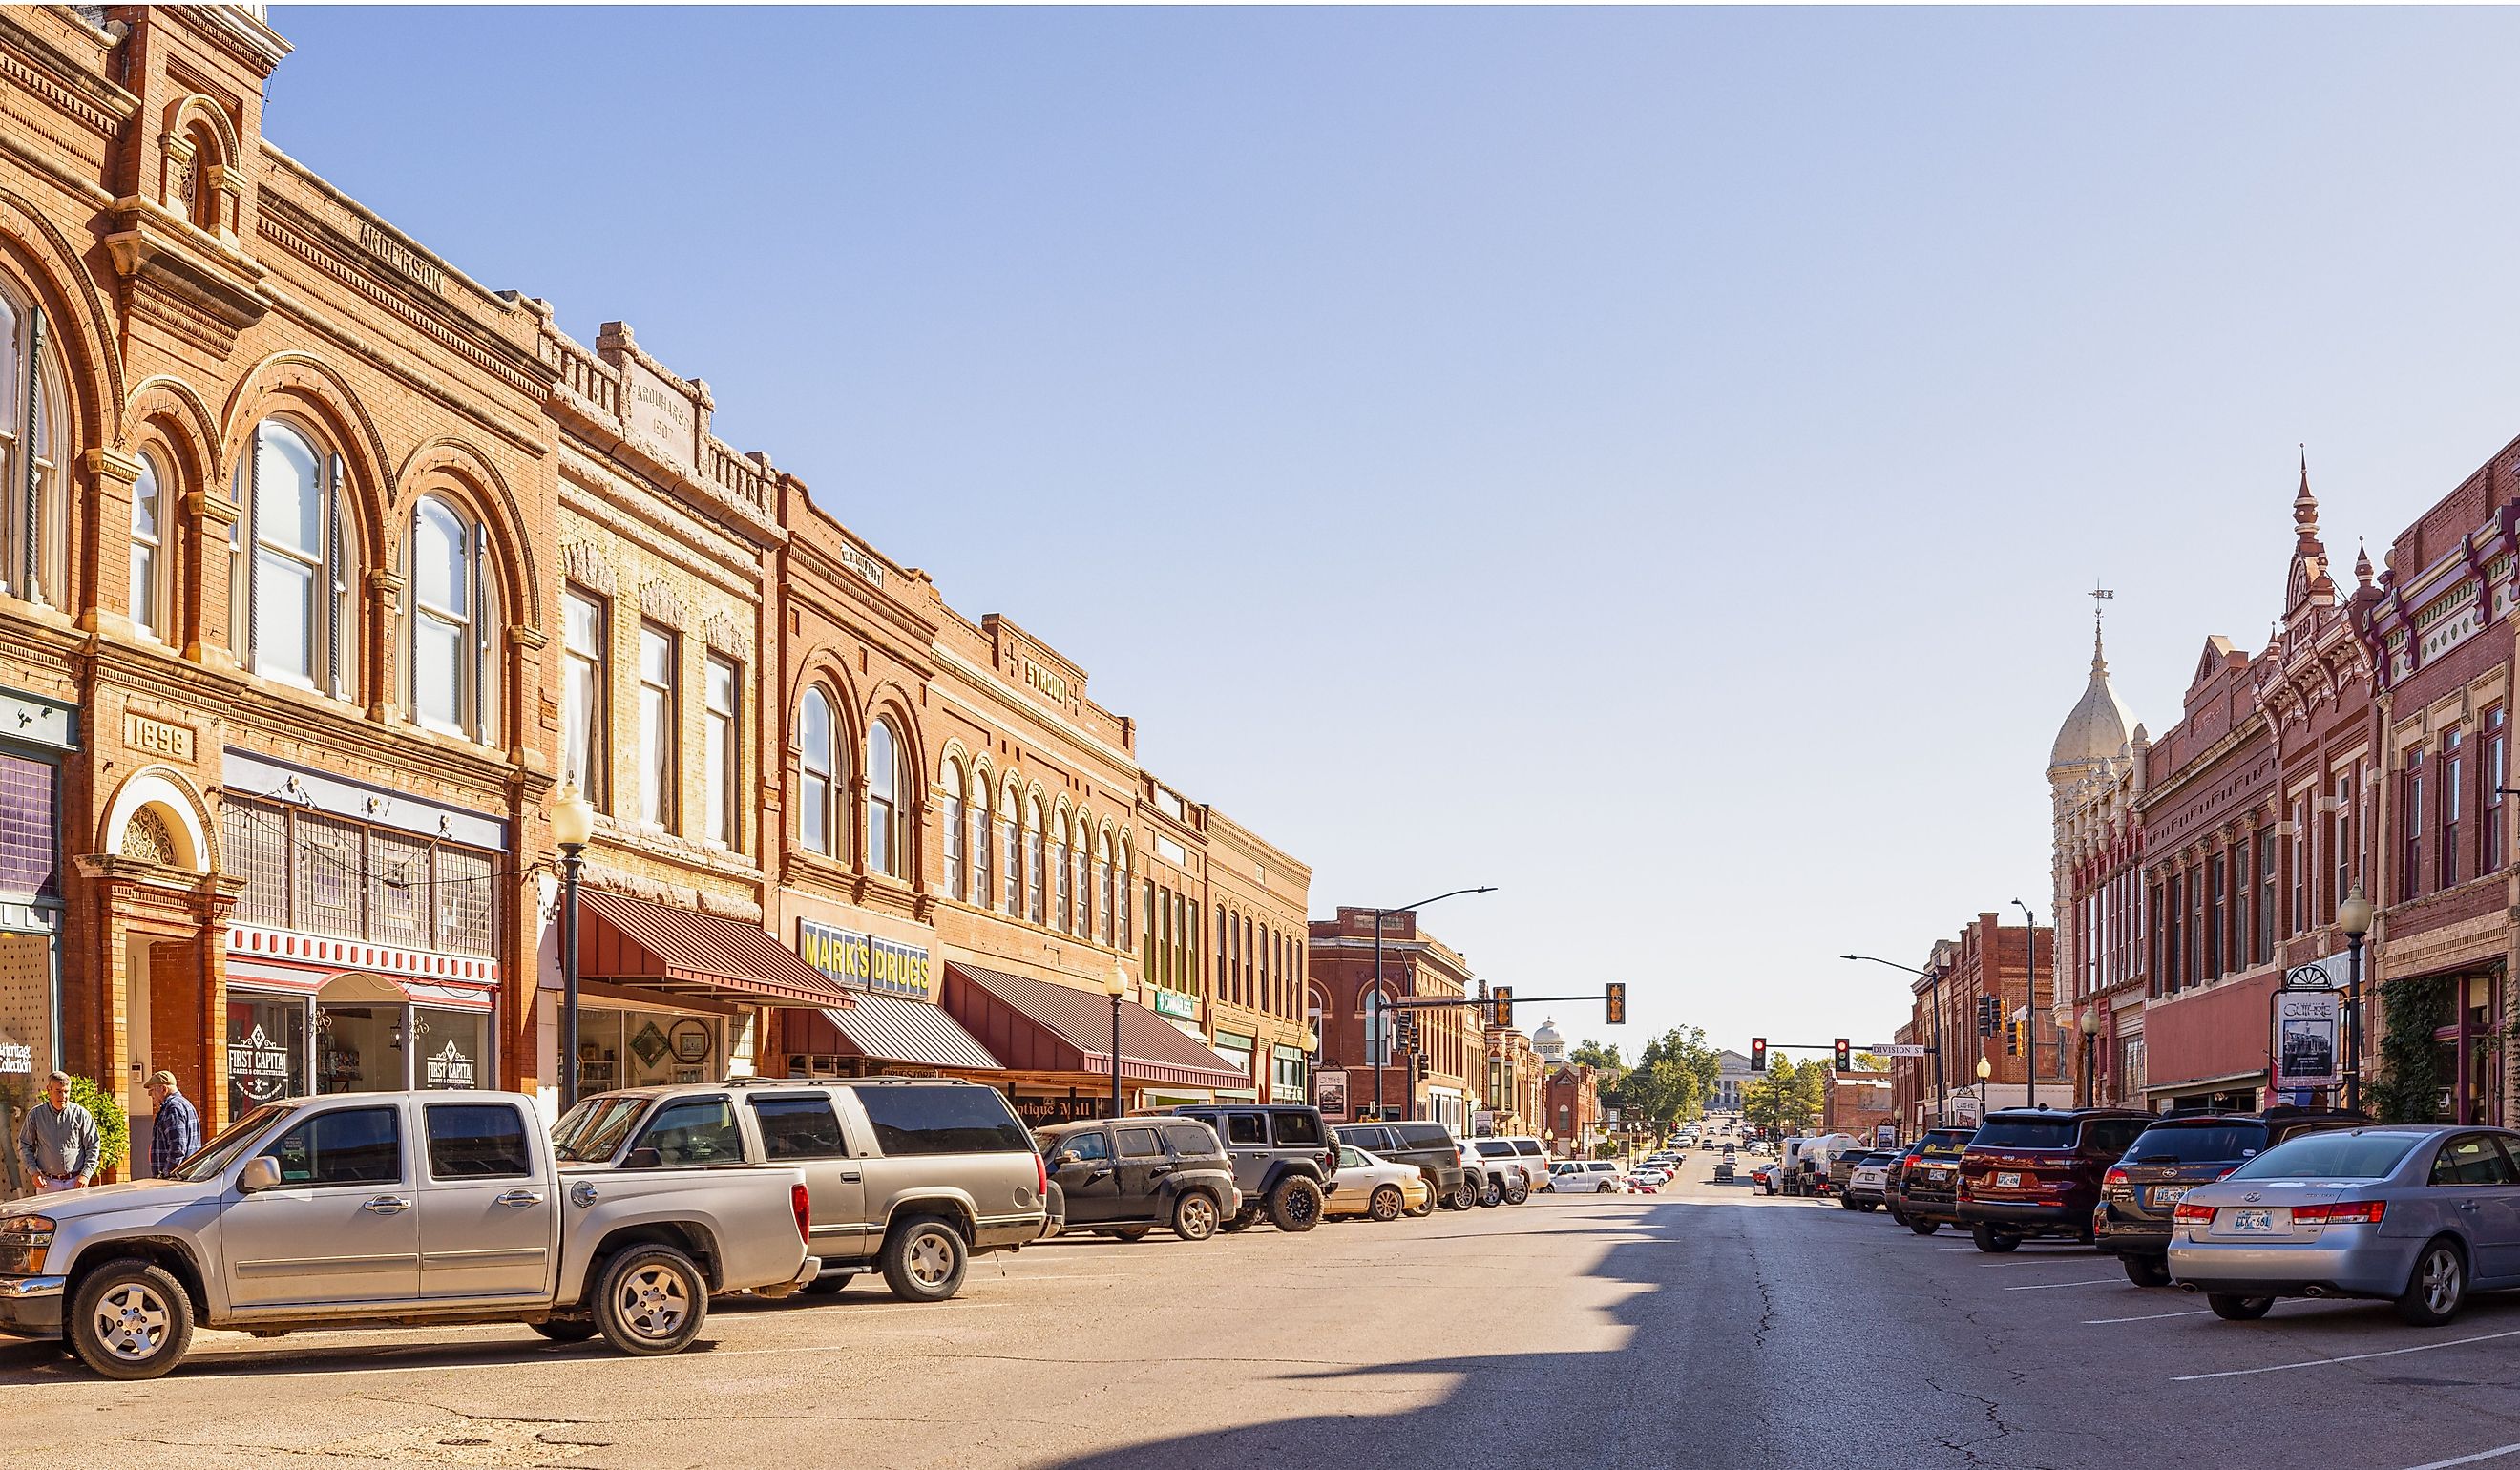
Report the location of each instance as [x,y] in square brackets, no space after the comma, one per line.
[2090,1022]
[2030,982]
[1379,1039]
[2353,916]
[1985,1070]
[1940,1091]
[572,820]
[1118,987]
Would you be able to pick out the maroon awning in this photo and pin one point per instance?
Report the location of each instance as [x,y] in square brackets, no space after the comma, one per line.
[683,951]
[1037,1026]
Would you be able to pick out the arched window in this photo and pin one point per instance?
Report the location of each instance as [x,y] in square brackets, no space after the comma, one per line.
[983,871]
[1036,907]
[148,559]
[1009,853]
[1102,882]
[32,440]
[454,650]
[884,799]
[817,738]
[291,560]
[951,781]
[1061,844]
[1126,890]
[1081,860]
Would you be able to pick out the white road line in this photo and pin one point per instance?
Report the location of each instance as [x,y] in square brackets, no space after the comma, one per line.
[2320,1363]
[2052,1285]
[2106,1322]
[2469,1459]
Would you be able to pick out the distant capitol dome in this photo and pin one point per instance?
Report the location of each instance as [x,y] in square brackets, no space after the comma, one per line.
[1549,1042]
[2099,726]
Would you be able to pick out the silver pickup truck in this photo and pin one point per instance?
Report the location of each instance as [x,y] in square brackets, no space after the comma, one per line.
[909,1175]
[405,1209]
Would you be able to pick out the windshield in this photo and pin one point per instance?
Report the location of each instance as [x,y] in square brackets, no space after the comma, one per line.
[2025,1133]
[1493,1149]
[592,1131]
[2198,1143]
[214,1156]
[2331,1156]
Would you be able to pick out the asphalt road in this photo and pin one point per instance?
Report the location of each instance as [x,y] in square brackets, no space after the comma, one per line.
[1700,1329]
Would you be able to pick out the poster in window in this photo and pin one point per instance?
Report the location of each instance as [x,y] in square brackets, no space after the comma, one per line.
[2306,1049]
[691,1042]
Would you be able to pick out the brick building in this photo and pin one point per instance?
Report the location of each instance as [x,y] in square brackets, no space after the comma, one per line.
[1857,1103]
[1515,1082]
[1450,1038]
[2015,965]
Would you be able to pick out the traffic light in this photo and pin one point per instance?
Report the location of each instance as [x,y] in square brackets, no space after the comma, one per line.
[1505,1008]
[1422,1066]
[1618,1001]
[1845,1054]
[2011,1036]
[1986,1015]
[1405,1030]
[1758,1053]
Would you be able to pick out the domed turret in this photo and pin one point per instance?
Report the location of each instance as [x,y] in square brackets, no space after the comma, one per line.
[2099,726]
[1550,1045]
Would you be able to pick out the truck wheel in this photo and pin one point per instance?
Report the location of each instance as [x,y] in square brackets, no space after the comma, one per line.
[571,1329]
[2147,1271]
[1385,1204]
[829,1283]
[1922,1225]
[1194,1215]
[924,1259]
[652,1301]
[1243,1220]
[1490,1193]
[1517,1191]
[131,1320]
[1460,1198]
[1295,1204]
[1994,1240]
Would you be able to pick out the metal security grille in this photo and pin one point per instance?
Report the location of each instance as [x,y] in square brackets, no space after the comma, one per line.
[349,880]
[464,901]
[398,889]
[330,886]
[257,839]
[29,816]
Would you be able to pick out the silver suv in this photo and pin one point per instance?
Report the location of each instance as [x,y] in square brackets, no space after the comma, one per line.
[912,1175]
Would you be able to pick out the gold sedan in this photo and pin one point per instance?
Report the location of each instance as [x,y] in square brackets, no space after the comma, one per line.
[1374,1186]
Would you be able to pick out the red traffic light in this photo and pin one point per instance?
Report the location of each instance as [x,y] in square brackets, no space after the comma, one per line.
[1758,1053]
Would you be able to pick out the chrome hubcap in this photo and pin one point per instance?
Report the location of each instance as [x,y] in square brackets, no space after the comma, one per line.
[931,1260]
[655,1301]
[132,1321]
[2441,1281]
[1198,1214]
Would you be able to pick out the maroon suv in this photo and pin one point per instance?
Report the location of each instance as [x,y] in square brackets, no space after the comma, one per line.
[2037,1171]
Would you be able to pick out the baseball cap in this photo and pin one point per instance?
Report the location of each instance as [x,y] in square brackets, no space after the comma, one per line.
[161,1078]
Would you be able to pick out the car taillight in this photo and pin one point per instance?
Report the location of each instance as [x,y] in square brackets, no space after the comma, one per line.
[1040,1177]
[804,1205]
[1329,1162]
[2360,1211]
[2115,1179]
[2187,1214]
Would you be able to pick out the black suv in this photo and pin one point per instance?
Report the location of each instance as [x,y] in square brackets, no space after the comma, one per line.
[1927,1194]
[1284,1160]
[1429,1148]
[2175,1155]
[1127,1178]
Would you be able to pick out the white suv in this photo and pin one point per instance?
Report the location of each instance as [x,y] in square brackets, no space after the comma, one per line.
[1588,1177]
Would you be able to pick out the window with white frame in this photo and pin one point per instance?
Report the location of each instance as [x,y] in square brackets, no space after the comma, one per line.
[817,741]
[33,450]
[884,799]
[291,561]
[949,781]
[1103,884]
[453,650]
[660,722]
[1010,852]
[148,559]
[1064,835]
[722,749]
[584,746]
[1036,881]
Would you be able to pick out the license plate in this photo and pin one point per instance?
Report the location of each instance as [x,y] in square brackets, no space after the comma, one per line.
[2168,1194]
[2255,1222]
[2007,1181]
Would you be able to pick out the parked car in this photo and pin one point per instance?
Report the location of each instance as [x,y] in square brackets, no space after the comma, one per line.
[1124,1179]
[1429,1147]
[2175,1155]
[1588,1177]
[1285,1162]
[2419,1215]
[1867,1178]
[1838,1165]
[1929,1185]
[1764,1177]
[1490,1182]
[2037,1171]
[909,1176]
[1650,1175]
[310,1212]
[1525,1152]
[1378,1188]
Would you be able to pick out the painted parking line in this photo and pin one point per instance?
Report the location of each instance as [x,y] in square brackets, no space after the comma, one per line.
[2320,1363]
[2479,1457]
[2108,1321]
[2054,1286]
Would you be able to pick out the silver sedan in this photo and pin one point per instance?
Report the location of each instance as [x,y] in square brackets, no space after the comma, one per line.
[2416,1215]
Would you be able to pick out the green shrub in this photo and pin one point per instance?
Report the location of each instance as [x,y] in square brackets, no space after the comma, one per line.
[112,1124]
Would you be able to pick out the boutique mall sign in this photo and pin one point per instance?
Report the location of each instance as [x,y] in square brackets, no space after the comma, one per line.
[884,965]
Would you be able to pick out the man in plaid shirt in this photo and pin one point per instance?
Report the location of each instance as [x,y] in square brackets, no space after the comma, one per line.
[177,1132]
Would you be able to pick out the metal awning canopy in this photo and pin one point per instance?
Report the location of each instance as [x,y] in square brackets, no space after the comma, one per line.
[631,940]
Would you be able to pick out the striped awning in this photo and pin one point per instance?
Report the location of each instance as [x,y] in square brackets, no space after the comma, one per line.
[632,940]
[889,1028]
[1035,1025]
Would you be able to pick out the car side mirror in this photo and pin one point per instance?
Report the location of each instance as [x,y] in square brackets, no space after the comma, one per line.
[261,1171]
[1070,1157]
[648,1157]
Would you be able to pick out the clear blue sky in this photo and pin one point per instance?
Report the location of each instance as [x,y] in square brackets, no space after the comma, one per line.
[1649,461]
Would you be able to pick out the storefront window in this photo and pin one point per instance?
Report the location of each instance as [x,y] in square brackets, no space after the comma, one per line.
[358,1049]
[266,1050]
[454,1049]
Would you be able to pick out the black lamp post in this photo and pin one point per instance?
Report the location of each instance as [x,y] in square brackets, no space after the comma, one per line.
[1380,1041]
[1118,987]
[2030,1026]
[2090,1021]
[572,820]
[2353,916]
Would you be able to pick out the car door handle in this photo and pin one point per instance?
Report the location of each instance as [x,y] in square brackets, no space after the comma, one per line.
[2467,1204]
[1159,1169]
[387,1204]
[1097,1174]
[848,1175]
[517,1199]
